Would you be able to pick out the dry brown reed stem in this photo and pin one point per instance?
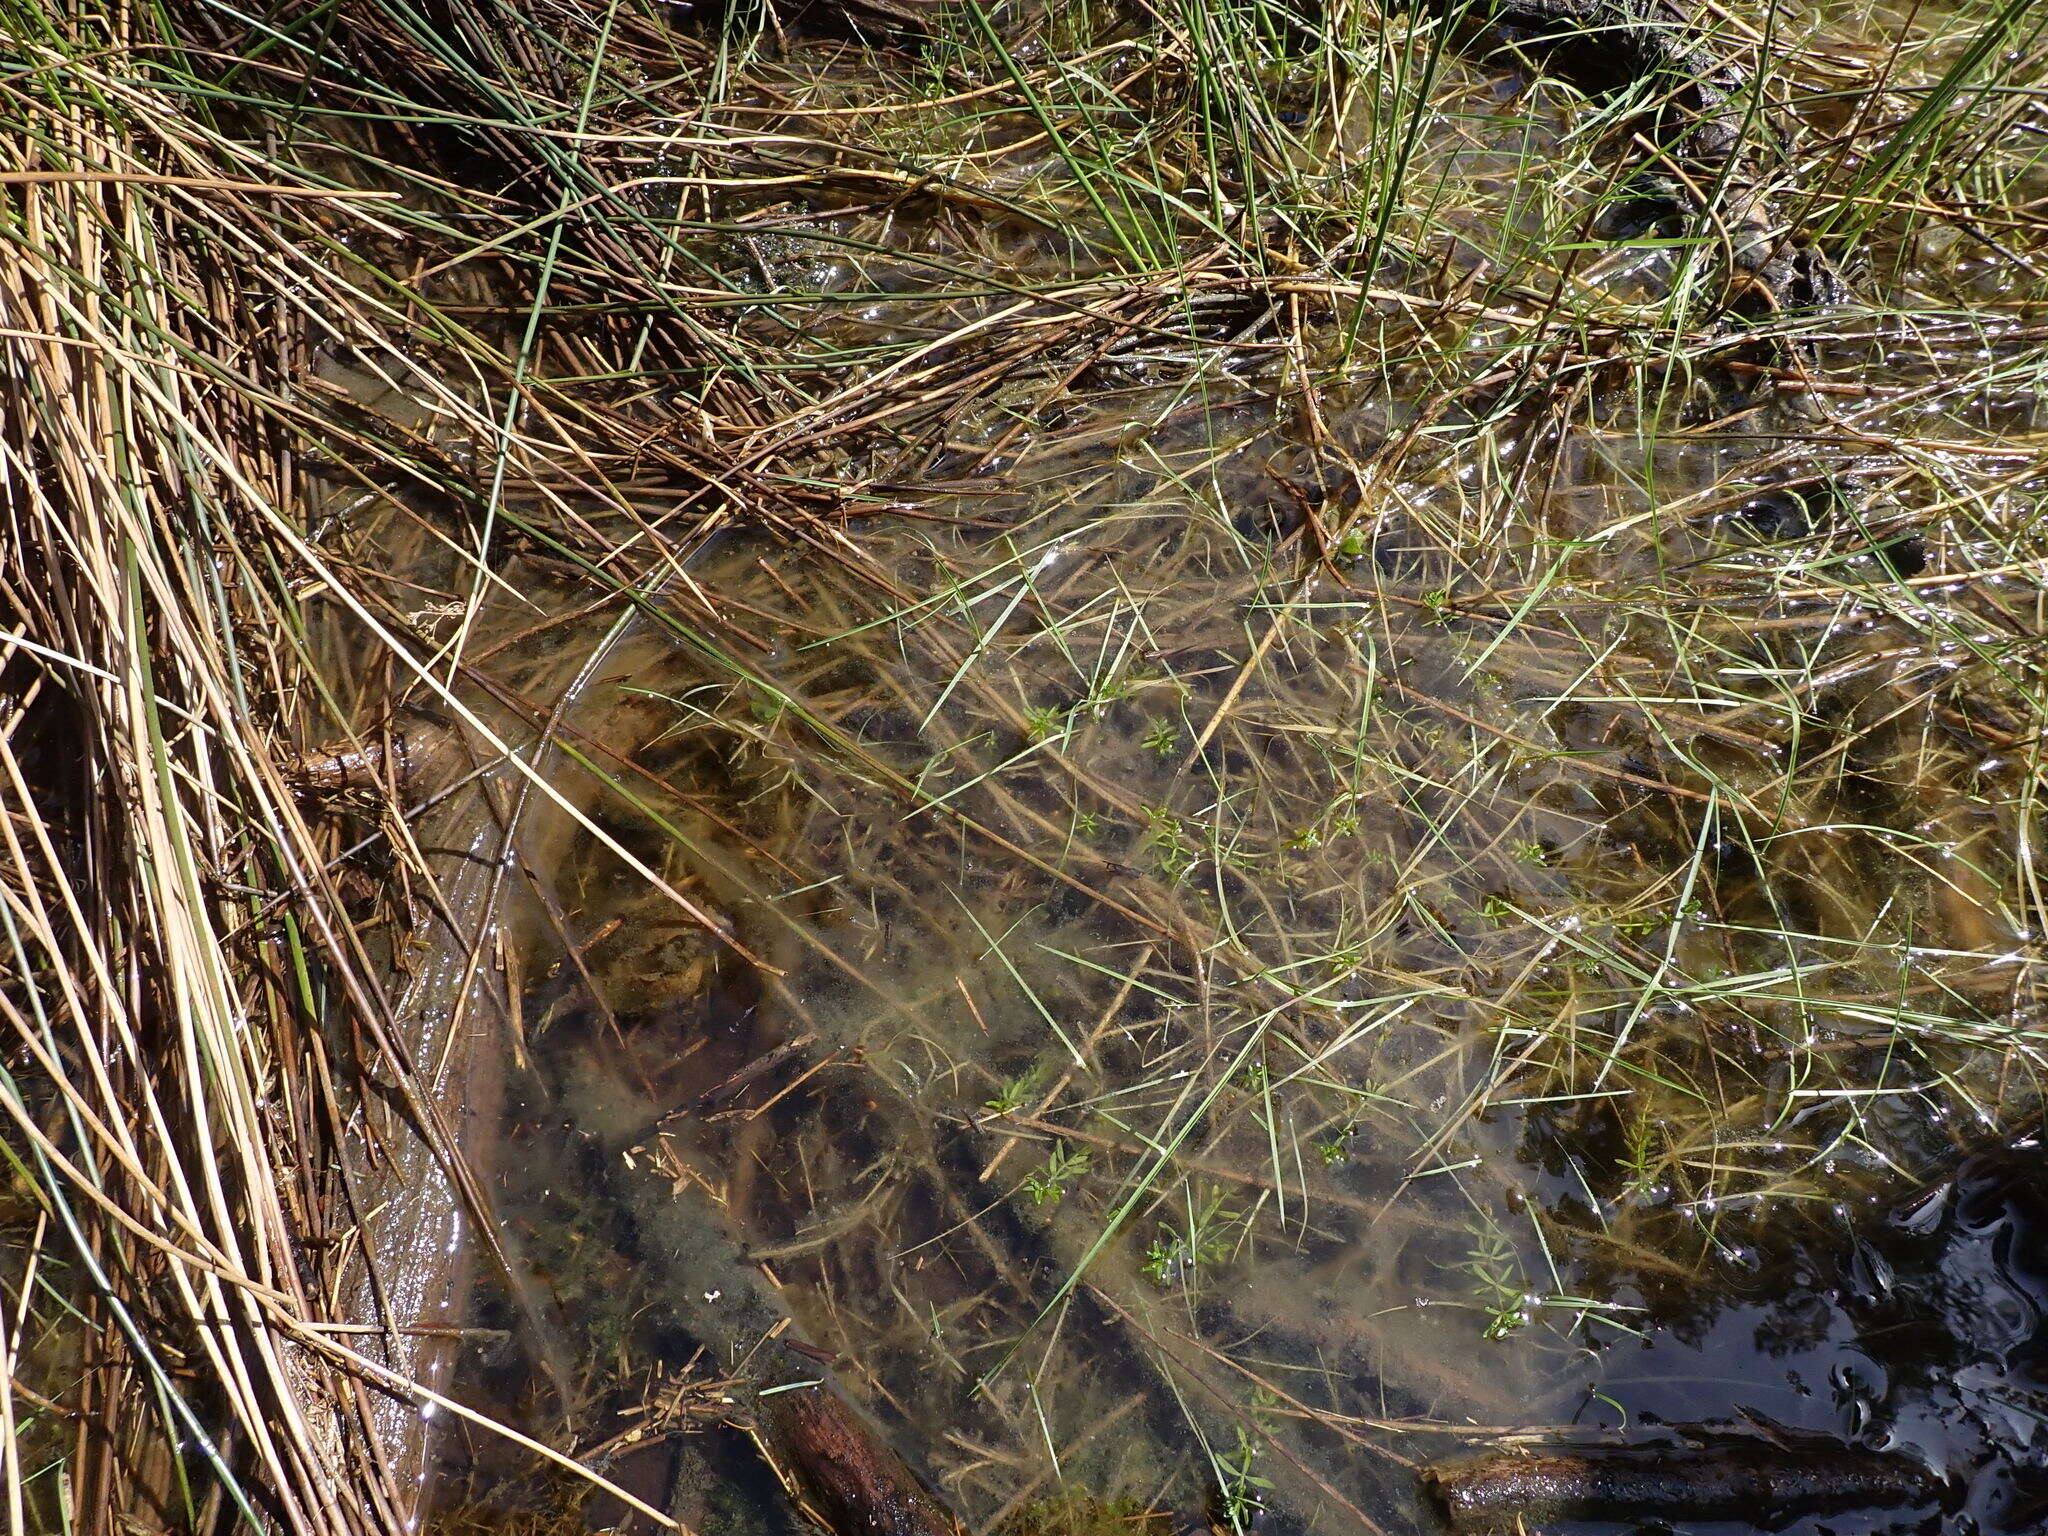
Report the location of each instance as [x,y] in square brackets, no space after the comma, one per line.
[174,941]
[143,798]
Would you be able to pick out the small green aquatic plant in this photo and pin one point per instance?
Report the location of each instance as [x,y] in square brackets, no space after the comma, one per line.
[1502,1289]
[1336,1147]
[1043,722]
[1638,1161]
[1045,1185]
[1181,1255]
[1241,1490]
[1015,1092]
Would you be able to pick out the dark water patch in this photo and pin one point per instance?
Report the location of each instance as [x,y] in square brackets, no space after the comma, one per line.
[1907,1324]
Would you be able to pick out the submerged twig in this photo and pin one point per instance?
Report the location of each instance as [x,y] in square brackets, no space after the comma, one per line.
[1751,1480]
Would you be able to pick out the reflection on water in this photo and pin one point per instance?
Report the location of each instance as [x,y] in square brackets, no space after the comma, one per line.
[1923,1330]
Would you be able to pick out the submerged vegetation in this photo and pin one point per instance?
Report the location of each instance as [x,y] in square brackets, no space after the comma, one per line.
[1089,766]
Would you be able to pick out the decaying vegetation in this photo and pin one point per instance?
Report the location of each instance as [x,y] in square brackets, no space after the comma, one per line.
[1715,1479]
[1172,735]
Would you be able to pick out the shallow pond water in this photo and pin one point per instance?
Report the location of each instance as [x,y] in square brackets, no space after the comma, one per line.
[1214,1027]
[1274,936]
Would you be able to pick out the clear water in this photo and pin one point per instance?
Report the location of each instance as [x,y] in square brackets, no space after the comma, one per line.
[1274,942]
[1297,1087]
